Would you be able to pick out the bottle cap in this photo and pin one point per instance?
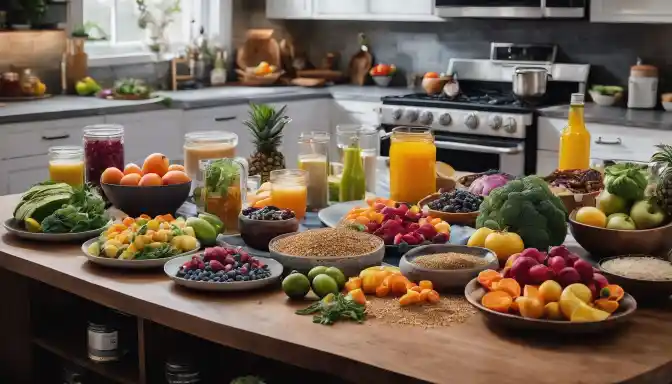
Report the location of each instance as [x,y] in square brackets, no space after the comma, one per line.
[577,98]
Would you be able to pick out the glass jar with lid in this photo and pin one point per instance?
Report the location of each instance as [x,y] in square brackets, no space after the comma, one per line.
[207,145]
[314,159]
[66,165]
[412,164]
[368,139]
[103,148]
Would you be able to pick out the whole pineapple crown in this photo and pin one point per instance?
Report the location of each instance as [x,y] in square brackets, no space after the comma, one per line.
[266,125]
[662,161]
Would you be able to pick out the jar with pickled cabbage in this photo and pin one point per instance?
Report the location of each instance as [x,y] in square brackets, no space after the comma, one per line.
[103,148]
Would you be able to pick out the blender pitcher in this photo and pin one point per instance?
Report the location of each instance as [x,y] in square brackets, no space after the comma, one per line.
[223,188]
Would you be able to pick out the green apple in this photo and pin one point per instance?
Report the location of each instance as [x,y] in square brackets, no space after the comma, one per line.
[646,214]
[82,88]
[610,203]
[620,221]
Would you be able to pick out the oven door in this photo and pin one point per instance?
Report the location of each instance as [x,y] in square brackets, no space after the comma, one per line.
[526,9]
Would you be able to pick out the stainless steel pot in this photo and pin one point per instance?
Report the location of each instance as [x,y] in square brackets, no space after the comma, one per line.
[530,82]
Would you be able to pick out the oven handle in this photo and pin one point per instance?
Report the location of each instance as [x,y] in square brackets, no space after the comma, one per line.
[480,148]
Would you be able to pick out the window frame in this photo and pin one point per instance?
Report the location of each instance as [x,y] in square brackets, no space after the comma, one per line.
[217,20]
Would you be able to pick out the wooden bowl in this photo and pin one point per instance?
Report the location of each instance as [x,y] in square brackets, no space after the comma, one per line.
[258,233]
[577,201]
[603,242]
[152,201]
[249,78]
[450,218]
[647,291]
[445,280]
[474,293]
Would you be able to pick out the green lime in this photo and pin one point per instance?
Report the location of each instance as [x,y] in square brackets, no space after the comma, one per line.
[296,285]
[316,271]
[324,285]
[337,275]
[94,249]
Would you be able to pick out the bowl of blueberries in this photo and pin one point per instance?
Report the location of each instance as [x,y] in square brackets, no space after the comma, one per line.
[458,206]
[258,226]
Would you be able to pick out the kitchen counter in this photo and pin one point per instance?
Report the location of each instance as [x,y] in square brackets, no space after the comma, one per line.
[264,323]
[638,118]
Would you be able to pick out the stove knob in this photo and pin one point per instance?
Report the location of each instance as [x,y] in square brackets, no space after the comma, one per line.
[397,113]
[495,122]
[426,118]
[445,119]
[412,115]
[510,125]
[471,121]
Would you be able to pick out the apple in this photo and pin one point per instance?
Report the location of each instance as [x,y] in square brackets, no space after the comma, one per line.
[646,214]
[620,221]
[610,204]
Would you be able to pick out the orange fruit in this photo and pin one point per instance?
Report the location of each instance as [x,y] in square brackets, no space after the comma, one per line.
[132,168]
[176,167]
[156,163]
[111,175]
[175,177]
[131,180]
[150,180]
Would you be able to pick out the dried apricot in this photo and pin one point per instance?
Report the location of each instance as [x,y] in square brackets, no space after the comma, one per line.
[426,284]
[416,289]
[411,297]
[433,297]
[424,294]
[509,286]
[358,296]
[499,301]
[353,283]
[382,290]
[487,277]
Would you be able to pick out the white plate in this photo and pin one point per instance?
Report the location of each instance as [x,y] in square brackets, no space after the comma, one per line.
[131,264]
[333,214]
[174,265]
[12,226]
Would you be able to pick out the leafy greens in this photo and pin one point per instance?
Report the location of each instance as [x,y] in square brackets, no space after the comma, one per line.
[84,211]
[333,308]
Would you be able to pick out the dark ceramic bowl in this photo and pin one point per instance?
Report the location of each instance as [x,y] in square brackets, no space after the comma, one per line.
[258,233]
[152,201]
[646,291]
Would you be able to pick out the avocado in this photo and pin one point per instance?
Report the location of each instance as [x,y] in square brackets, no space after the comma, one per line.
[205,232]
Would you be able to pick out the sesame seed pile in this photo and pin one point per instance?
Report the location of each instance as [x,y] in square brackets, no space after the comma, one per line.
[449,261]
[451,310]
[327,242]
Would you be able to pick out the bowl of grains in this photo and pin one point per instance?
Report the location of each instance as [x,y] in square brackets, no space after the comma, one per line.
[646,278]
[348,250]
[449,267]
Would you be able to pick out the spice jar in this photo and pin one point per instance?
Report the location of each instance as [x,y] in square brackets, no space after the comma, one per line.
[178,372]
[103,148]
[207,145]
[314,159]
[288,190]
[66,165]
[10,85]
[103,342]
[412,164]
[368,140]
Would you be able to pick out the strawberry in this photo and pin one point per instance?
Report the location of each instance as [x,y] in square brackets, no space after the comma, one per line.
[216,265]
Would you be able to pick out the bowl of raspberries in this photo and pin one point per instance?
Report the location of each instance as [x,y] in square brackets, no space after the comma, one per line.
[458,206]
[258,226]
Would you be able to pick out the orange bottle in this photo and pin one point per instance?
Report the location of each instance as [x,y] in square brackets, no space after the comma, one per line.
[575,138]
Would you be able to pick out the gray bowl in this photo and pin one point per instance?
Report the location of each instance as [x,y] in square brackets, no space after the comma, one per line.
[445,280]
[258,233]
[152,201]
[349,265]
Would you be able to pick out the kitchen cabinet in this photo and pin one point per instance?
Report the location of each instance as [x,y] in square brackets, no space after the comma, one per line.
[340,7]
[628,11]
[402,7]
[289,9]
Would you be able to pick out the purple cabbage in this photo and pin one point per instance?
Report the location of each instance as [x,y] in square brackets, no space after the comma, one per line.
[484,184]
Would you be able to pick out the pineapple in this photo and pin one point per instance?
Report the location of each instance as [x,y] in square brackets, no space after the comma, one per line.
[662,168]
[266,125]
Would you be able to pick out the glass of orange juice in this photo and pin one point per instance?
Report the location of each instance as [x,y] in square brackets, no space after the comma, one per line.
[289,191]
[412,164]
[66,165]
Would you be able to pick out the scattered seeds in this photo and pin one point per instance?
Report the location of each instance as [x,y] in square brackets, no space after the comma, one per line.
[327,242]
[449,261]
[452,309]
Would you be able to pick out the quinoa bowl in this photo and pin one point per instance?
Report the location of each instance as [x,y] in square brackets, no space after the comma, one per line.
[348,250]
[450,267]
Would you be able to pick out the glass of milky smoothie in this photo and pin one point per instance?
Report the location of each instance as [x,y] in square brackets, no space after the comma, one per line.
[207,145]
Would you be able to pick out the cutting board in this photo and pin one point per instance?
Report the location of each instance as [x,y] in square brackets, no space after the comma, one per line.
[361,62]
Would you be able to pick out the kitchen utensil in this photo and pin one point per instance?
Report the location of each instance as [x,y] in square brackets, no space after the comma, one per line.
[13,227]
[361,62]
[287,55]
[530,82]
[258,233]
[474,292]
[643,290]
[77,62]
[131,264]
[159,200]
[643,86]
[444,279]
[259,46]
[308,82]
[451,218]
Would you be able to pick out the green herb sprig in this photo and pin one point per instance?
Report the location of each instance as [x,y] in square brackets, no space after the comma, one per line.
[333,308]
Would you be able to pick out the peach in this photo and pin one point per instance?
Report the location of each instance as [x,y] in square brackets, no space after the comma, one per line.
[131,180]
[156,163]
[111,175]
[132,168]
[150,180]
[176,167]
[175,177]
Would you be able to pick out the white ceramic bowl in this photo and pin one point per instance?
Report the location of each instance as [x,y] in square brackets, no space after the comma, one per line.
[667,105]
[382,81]
[604,100]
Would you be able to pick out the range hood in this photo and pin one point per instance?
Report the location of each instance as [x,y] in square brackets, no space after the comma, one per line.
[511,9]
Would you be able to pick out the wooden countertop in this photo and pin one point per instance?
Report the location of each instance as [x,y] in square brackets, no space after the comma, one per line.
[264,323]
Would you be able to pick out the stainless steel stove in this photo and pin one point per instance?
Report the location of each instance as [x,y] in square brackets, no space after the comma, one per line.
[485,126]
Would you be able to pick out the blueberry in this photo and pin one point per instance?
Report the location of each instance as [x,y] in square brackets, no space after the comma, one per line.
[219,273]
[231,273]
[246,278]
[198,271]
[239,278]
[180,273]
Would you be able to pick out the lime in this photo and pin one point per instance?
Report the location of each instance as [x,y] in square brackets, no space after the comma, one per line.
[324,285]
[32,225]
[316,271]
[296,285]
[337,275]
[94,249]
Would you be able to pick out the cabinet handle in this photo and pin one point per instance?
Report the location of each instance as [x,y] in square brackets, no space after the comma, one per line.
[618,141]
[56,137]
[228,118]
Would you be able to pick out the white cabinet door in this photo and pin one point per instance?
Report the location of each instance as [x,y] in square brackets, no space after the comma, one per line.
[401,7]
[289,9]
[341,7]
[21,174]
[228,118]
[149,132]
[624,11]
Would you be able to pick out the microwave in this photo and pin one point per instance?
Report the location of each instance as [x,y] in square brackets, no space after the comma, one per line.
[512,9]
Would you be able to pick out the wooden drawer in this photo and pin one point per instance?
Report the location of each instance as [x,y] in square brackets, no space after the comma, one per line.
[31,139]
